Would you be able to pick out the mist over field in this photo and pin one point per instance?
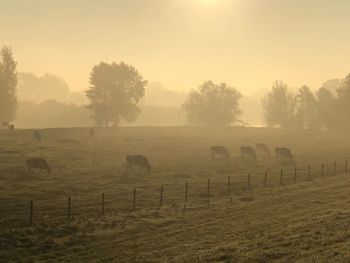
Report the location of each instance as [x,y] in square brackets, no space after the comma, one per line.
[174,131]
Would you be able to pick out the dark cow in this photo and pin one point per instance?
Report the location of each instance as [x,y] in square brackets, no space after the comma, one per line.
[37,136]
[92,133]
[38,163]
[248,152]
[285,153]
[262,148]
[219,151]
[138,161]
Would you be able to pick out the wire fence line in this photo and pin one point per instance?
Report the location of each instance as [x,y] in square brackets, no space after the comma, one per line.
[197,194]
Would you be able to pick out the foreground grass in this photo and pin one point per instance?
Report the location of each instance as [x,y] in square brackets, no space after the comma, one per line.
[306,221]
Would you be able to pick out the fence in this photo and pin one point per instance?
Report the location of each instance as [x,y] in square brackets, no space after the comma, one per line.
[179,197]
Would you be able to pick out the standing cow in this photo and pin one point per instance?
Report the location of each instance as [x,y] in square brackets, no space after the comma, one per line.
[11,127]
[5,124]
[262,148]
[38,163]
[248,152]
[283,153]
[219,151]
[139,161]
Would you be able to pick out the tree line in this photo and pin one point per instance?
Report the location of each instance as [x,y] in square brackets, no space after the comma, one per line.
[306,109]
[116,89]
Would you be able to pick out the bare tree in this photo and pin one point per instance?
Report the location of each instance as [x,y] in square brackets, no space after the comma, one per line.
[279,106]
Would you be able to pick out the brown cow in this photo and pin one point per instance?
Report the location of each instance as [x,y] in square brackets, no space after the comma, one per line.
[283,153]
[38,163]
[138,161]
[262,148]
[248,152]
[219,151]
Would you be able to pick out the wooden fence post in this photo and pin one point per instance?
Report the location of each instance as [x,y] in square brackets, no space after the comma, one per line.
[134,200]
[309,173]
[208,193]
[229,183]
[281,175]
[186,196]
[265,178]
[103,203]
[31,210]
[161,196]
[335,168]
[248,181]
[68,208]
[322,169]
[295,174]
[346,166]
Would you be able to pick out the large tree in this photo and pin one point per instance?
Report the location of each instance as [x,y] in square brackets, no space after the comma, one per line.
[307,115]
[335,109]
[213,104]
[279,106]
[8,82]
[114,93]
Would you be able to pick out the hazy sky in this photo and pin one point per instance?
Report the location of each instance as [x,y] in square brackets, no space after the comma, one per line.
[181,43]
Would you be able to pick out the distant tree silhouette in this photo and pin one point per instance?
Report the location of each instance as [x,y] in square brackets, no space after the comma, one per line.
[8,82]
[279,106]
[307,115]
[327,108]
[38,89]
[114,93]
[335,109]
[213,104]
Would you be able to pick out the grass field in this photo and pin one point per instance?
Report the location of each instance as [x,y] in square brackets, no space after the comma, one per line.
[306,221]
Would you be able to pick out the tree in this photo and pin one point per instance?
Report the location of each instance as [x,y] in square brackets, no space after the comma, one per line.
[341,107]
[307,115]
[279,106]
[8,83]
[334,105]
[327,107]
[39,89]
[114,93]
[212,104]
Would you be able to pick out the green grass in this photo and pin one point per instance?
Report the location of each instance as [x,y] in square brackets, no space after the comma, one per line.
[306,221]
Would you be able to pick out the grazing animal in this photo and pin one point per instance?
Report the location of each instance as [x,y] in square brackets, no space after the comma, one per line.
[285,153]
[5,124]
[138,161]
[219,151]
[262,148]
[248,152]
[11,127]
[92,132]
[37,136]
[38,163]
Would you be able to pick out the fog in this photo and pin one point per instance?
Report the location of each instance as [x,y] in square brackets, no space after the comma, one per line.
[174,131]
[176,46]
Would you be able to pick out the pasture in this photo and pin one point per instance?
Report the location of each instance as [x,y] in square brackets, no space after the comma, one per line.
[283,221]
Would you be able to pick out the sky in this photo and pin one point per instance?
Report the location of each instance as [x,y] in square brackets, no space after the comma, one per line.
[181,43]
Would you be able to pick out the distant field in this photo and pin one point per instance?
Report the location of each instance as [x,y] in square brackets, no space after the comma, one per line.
[306,221]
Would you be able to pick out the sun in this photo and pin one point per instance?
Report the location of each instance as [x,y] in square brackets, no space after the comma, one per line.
[209,1]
